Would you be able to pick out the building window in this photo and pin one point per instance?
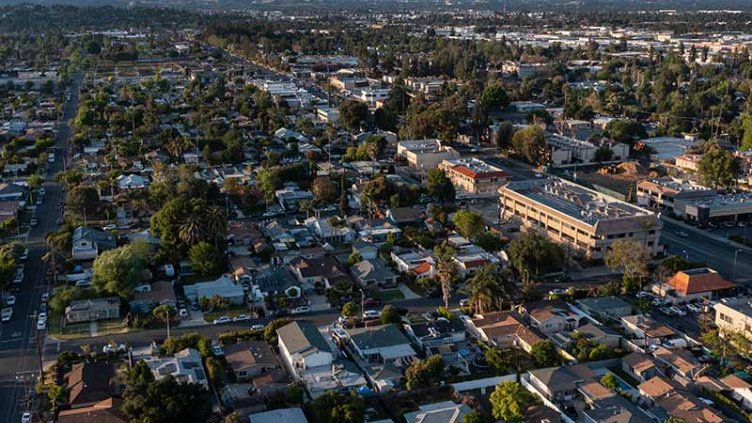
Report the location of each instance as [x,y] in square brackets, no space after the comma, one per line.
[727,319]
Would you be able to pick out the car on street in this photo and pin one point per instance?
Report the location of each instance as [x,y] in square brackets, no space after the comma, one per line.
[110,227]
[43,307]
[26,417]
[24,255]
[45,297]
[371,314]
[33,222]
[557,291]
[59,221]
[10,300]
[241,318]
[694,308]
[6,314]
[218,351]
[658,302]
[257,327]
[41,324]
[668,311]
[222,320]
[678,311]
[111,348]
[643,294]
[42,316]
[301,310]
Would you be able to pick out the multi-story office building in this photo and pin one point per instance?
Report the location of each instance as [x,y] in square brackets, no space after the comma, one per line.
[735,316]
[577,216]
[474,176]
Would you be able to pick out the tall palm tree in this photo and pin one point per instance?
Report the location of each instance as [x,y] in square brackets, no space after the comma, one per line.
[163,313]
[487,289]
[215,223]
[191,231]
[446,269]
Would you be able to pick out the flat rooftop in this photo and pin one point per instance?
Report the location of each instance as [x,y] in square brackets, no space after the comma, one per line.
[675,184]
[575,201]
[475,165]
[724,201]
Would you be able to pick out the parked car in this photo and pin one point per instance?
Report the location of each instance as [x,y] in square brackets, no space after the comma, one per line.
[658,302]
[557,291]
[26,417]
[643,294]
[676,343]
[257,327]
[301,310]
[112,348]
[10,300]
[33,222]
[218,351]
[695,308]
[110,227]
[682,234]
[41,324]
[222,320]
[241,318]
[6,314]
[372,302]
[45,297]
[371,314]
[668,311]
[678,311]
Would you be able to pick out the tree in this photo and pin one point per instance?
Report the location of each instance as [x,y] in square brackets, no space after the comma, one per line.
[117,271]
[352,113]
[531,145]
[629,256]
[83,201]
[468,223]
[672,419]
[7,269]
[625,131]
[510,401]
[487,289]
[354,259]
[446,269]
[335,407]
[504,135]
[746,124]
[164,313]
[494,97]
[424,373]
[544,354]
[268,181]
[204,258]
[498,359]
[439,187]
[603,154]
[350,309]
[472,417]
[389,314]
[718,168]
[609,381]
[535,254]
[323,189]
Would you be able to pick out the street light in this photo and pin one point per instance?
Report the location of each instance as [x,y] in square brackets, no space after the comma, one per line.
[362,302]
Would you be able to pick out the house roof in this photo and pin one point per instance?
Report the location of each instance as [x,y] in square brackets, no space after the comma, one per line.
[678,359]
[616,409]
[380,336]
[161,292]
[302,337]
[372,269]
[544,310]
[282,415]
[319,267]
[244,355]
[603,304]
[688,408]
[639,362]
[695,281]
[651,327]
[105,411]
[91,382]
[595,331]
[563,377]
[735,382]
[656,387]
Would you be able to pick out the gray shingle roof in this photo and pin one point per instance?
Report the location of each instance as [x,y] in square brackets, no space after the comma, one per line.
[302,337]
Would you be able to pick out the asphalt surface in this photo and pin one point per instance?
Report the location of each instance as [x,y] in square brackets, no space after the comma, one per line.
[19,358]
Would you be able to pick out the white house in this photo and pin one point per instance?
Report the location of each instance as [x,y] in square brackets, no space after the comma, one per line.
[382,344]
[224,287]
[185,366]
[87,243]
[131,182]
[302,347]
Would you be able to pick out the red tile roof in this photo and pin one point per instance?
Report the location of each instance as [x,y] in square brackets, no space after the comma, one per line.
[696,281]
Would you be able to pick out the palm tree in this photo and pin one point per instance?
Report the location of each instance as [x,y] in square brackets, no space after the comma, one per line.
[446,270]
[215,223]
[191,231]
[163,313]
[487,289]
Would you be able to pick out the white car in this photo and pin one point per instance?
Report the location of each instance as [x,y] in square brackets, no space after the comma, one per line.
[110,227]
[678,311]
[695,308]
[222,320]
[300,310]
[371,314]
[41,324]
[643,294]
[218,351]
[33,222]
[45,297]
[241,318]
[113,348]
[6,314]
[10,300]
[24,255]
[26,417]
[42,316]
[257,327]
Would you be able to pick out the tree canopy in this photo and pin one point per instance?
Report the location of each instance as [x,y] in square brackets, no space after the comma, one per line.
[510,401]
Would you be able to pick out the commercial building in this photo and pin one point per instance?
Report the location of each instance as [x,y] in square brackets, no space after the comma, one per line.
[693,285]
[664,192]
[567,150]
[586,220]
[474,175]
[688,162]
[425,154]
[735,316]
[716,208]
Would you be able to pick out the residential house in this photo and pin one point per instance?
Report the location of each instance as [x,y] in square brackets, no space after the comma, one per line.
[444,412]
[681,365]
[302,347]
[322,271]
[224,287]
[694,285]
[88,243]
[640,366]
[615,409]
[434,333]
[688,408]
[92,309]
[374,272]
[185,366]
[739,389]
[105,411]
[421,264]
[280,415]
[610,307]
[291,196]
[367,250]
[381,344]
[405,216]
[246,233]
[129,182]
[560,383]
[158,293]
[497,328]
[249,359]
[644,330]
[550,316]
[12,192]
[600,334]
[380,233]
[735,316]
[342,376]
[325,232]
[91,383]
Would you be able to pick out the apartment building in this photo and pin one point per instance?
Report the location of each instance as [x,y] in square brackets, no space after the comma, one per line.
[425,154]
[688,162]
[474,175]
[664,192]
[735,316]
[577,216]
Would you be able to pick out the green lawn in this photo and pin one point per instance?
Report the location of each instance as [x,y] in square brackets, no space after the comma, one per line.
[387,295]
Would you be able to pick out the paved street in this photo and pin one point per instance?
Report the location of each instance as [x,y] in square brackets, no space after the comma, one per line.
[19,360]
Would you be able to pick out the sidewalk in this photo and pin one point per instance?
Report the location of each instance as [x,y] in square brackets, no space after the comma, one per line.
[407,292]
